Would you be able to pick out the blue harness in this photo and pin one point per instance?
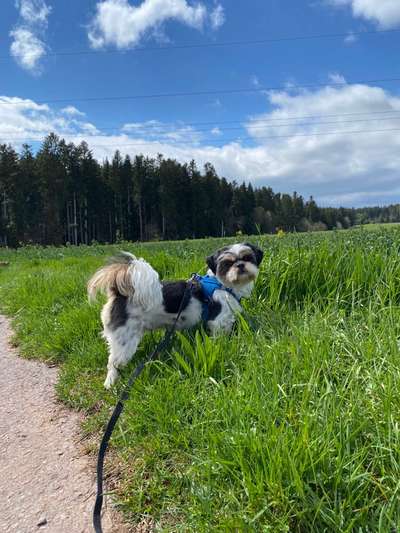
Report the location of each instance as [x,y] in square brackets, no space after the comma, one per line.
[210,284]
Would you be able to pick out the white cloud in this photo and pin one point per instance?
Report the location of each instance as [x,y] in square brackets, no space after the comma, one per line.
[255,81]
[121,24]
[33,11]
[316,153]
[217,17]
[216,131]
[305,155]
[386,13]
[336,78]
[27,46]
[350,38]
[148,125]
[72,111]
[156,130]
[23,119]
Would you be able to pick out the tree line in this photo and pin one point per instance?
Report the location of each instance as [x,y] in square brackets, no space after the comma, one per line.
[62,194]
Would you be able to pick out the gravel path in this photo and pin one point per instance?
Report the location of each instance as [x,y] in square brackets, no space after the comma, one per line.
[46,481]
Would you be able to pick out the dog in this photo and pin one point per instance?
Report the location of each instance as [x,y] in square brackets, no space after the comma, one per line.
[138,301]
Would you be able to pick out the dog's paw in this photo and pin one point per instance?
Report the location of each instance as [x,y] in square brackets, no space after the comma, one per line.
[110,379]
[107,384]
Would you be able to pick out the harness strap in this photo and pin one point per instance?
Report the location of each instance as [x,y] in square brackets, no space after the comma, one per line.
[210,284]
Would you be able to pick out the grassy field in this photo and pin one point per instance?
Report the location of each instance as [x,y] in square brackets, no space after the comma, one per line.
[291,424]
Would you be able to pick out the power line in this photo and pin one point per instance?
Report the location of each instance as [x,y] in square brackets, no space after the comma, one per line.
[179,122]
[205,93]
[213,45]
[319,134]
[191,132]
[249,119]
[160,129]
[314,123]
[240,139]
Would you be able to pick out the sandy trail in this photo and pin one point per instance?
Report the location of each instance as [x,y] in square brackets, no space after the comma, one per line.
[46,481]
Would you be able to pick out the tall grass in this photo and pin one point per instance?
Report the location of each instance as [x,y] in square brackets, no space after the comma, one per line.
[289,424]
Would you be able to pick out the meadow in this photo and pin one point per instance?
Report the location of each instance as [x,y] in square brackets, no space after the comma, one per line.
[289,424]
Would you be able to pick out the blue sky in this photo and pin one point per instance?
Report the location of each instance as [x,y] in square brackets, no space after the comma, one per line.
[322,139]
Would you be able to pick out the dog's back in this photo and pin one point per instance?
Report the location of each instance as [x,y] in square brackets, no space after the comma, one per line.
[127,276]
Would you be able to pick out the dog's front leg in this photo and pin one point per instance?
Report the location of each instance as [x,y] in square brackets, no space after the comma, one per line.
[223,313]
[218,327]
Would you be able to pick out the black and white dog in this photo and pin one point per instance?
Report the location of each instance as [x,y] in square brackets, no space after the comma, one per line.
[138,301]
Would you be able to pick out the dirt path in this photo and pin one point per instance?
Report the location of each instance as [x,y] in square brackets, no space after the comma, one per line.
[46,481]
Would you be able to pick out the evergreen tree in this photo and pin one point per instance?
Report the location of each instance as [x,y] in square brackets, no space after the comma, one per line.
[54,186]
[10,197]
[62,194]
[28,198]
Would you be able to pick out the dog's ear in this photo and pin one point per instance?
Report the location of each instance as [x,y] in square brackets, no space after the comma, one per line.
[257,252]
[212,262]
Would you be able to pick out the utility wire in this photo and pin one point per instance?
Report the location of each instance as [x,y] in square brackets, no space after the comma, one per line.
[196,144]
[192,132]
[319,134]
[181,123]
[204,93]
[220,44]
[273,125]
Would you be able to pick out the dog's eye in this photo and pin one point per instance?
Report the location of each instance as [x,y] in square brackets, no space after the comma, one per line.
[248,258]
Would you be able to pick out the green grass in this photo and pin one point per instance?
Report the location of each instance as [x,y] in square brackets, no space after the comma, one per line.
[291,424]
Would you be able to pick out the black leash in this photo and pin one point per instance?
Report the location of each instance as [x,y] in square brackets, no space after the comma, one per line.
[162,345]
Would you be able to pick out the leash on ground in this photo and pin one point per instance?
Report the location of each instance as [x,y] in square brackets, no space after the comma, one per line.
[161,346]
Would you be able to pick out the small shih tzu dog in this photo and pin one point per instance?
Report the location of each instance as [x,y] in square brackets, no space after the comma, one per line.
[138,301]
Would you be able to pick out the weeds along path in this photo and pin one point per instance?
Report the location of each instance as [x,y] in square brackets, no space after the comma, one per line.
[46,481]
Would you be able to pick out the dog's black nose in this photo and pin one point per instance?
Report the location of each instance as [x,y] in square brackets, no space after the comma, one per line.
[240,267]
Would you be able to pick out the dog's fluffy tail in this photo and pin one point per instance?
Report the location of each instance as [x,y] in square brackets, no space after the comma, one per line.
[130,277]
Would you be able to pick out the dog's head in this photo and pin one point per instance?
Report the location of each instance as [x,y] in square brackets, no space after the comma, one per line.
[236,265]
